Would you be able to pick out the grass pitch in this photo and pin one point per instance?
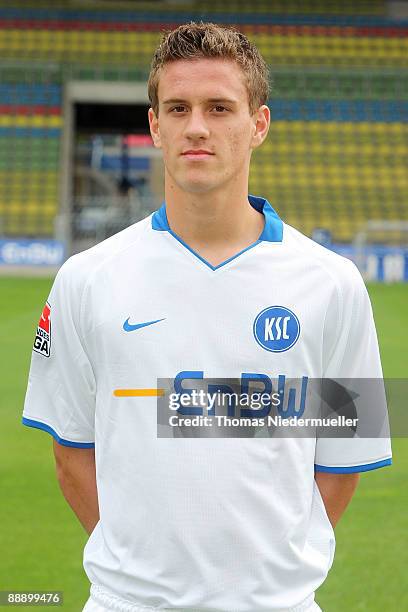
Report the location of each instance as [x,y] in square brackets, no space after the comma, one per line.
[42,541]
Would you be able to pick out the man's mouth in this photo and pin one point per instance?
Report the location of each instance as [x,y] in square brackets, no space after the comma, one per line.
[197,154]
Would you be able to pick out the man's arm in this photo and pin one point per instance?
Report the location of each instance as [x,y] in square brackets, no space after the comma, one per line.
[77,478]
[336,491]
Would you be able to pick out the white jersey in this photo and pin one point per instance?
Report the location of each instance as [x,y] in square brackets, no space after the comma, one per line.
[228,523]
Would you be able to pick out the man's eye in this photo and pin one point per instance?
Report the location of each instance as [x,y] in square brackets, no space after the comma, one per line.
[178,109]
[220,109]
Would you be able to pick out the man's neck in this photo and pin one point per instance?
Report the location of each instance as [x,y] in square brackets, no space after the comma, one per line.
[215,225]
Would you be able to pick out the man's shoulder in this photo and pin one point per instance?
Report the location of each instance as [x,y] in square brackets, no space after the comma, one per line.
[82,266]
[330,264]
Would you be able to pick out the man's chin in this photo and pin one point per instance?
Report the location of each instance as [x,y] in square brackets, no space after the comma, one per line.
[197,186]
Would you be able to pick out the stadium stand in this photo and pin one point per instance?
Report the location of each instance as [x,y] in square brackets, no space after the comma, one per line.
[337,150]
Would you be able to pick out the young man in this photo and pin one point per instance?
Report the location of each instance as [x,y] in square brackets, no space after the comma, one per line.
[213,284]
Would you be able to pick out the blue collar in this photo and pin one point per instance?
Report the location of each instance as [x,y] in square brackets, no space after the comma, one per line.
[272,232]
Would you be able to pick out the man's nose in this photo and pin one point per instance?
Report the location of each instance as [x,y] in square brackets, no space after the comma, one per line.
[196,126]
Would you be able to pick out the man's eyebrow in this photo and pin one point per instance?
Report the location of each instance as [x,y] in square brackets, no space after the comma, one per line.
[224,100]
[209,100]
[174,101]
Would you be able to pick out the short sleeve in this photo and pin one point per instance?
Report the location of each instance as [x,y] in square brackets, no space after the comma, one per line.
[60,397]
[352,354]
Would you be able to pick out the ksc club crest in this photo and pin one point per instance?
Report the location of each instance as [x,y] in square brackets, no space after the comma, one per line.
[42,342]
[276,329]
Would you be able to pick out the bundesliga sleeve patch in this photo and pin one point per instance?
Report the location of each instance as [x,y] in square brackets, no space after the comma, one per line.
[42,342]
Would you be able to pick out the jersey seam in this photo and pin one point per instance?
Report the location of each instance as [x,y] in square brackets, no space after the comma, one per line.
[339,299]
[337,284]
[123,248]
[194,257]
[44,421]
[366,462]
[102,596]
[70,415]
[107,258]
[84,347]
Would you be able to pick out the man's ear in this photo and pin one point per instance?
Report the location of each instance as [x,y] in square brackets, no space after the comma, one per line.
[262,120]
[154,128]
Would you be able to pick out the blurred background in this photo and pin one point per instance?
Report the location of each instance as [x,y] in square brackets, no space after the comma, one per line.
[77,162]
[77,165]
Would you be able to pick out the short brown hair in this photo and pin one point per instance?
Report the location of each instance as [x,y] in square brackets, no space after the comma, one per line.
[196,40]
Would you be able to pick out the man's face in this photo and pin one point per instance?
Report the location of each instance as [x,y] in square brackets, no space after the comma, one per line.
[204,125]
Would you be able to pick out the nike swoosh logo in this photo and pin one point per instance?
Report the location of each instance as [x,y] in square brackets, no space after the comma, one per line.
[128,327]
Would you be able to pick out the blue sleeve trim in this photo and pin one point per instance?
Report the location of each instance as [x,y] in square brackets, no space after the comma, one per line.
[48,429]
[353,468]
